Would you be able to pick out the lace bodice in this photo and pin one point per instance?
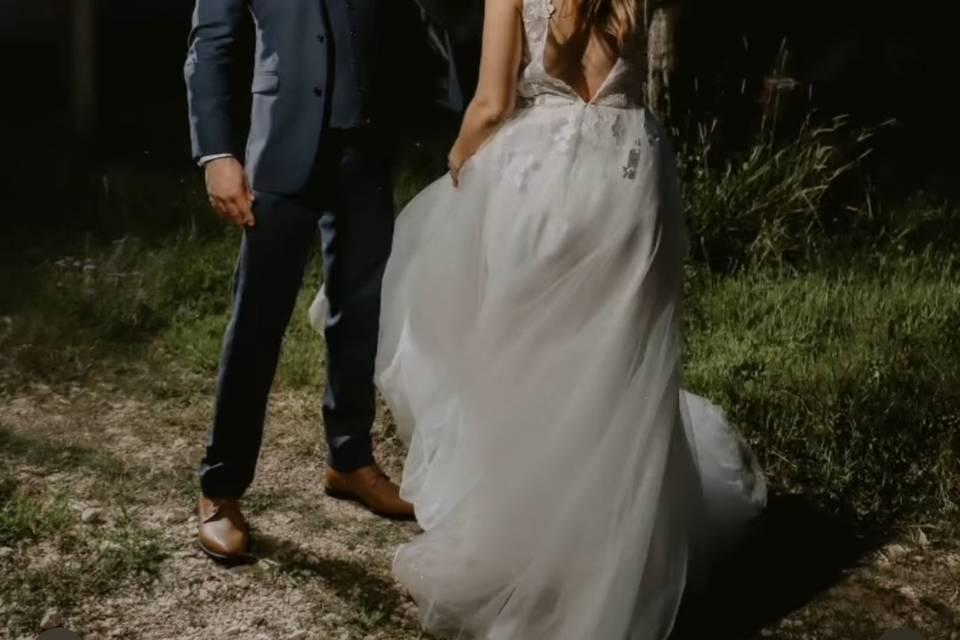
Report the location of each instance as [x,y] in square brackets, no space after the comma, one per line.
[623,87]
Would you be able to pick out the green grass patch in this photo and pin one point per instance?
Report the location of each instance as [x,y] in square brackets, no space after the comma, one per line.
[845,378]
[24,517]
[117,480]
[117,560]
[57,563]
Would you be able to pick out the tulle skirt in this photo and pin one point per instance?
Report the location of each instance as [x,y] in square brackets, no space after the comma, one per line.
[530,352]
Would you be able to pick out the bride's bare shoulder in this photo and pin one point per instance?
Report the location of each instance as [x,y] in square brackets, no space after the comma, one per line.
[506,4]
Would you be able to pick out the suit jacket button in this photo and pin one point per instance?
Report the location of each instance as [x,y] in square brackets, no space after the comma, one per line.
[318,91]
[320,38]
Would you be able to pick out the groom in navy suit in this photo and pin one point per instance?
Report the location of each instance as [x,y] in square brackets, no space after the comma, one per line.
[314,158]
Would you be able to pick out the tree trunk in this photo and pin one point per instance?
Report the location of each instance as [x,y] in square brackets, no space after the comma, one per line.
[84,31]
[660,19]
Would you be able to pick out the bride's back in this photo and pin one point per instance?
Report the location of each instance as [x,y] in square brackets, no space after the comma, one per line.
[585,39]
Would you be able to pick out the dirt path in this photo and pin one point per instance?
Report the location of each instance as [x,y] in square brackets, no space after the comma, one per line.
[98,534]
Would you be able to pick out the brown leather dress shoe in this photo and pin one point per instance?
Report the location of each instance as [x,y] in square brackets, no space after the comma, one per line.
[224,533]
[372,488]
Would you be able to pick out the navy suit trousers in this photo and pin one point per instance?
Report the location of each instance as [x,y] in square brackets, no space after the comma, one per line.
[349,199]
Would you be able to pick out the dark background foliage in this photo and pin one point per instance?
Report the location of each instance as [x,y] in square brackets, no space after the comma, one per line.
[874,61]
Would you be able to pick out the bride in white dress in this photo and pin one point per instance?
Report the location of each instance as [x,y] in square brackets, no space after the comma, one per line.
[531,352]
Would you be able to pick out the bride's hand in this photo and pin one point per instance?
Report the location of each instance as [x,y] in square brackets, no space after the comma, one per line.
[455,164]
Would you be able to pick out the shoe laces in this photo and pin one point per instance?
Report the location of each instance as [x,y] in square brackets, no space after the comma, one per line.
[228,508]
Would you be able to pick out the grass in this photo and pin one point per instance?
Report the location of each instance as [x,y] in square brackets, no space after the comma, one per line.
[116,480]
[24,518]
[74,566]
[843,377]
[762,205]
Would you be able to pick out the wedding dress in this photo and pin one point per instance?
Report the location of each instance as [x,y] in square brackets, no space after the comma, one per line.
[530,353]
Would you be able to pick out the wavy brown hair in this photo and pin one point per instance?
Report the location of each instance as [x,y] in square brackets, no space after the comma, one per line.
[614,20]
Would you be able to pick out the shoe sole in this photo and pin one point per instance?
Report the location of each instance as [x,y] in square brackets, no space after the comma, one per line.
[244,558]
[349,497]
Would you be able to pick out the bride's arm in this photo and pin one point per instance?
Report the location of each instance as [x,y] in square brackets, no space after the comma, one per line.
[497,86]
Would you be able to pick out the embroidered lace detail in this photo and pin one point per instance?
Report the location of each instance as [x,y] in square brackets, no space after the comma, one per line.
[519,167]
[601,122]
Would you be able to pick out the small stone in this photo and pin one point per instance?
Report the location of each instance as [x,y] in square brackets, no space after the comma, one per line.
[895,551]
[51,619]
[6,552]
[245,569]
[91,515]
[297,635]
[922,539]
[909,594]
[331,619]
[176,517]
[234,630]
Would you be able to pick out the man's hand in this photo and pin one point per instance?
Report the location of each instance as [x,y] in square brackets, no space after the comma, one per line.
[229,192]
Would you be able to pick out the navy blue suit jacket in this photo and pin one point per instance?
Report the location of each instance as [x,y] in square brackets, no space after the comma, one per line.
[295,61]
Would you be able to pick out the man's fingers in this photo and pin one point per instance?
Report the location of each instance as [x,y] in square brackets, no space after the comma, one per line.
[229,190]
[242,210]
[248,206]
[246,215]
[222,208]
[234,212]
[235,209]
[218,206]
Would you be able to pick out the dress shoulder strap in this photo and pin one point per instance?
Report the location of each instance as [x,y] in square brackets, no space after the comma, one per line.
[536,24]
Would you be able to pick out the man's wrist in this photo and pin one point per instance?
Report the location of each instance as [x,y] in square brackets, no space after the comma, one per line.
[205,160]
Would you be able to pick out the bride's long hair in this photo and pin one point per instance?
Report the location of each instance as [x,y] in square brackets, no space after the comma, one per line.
[613,20]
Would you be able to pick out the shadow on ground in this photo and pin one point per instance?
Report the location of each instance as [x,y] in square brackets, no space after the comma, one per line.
[794,553]
[352,580]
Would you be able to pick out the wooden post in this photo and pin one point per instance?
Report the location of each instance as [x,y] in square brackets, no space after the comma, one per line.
[83,62]
[660,21]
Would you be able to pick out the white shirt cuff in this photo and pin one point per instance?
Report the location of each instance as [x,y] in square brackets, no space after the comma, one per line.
[206,159]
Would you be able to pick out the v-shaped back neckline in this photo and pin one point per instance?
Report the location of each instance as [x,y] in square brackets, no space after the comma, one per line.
[551,10]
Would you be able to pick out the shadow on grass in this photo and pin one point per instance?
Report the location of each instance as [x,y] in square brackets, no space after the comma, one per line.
[362,589]
[114,473]
[795,553]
